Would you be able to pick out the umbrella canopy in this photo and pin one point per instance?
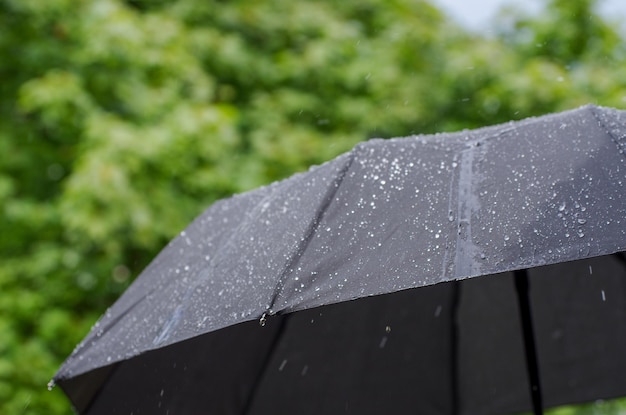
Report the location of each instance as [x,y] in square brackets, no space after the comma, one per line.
[546,195]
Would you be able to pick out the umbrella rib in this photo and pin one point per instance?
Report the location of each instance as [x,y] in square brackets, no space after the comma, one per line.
[311,228]
[102,331]
[522,288]
[454,348]
[266,362]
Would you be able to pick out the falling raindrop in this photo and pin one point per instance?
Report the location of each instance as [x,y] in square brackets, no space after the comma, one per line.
[603,296]
[282,365]
[383,342]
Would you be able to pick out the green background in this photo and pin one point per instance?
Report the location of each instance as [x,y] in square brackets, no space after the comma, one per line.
[120,121]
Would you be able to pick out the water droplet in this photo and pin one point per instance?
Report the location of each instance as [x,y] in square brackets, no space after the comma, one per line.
[388,329]
[562,207]
[582,221]
[263,320]
[51,385]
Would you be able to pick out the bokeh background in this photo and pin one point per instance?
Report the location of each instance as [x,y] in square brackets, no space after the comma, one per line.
[121,120]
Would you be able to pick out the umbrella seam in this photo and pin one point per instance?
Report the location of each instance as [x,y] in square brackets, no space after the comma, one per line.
[311,228]
[592,109]
[95,337]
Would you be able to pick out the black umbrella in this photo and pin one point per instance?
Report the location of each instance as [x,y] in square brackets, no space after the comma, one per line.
[536,207]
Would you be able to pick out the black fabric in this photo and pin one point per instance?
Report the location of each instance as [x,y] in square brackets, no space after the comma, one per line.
[392,353]
[580,337]
[378,355]
[207,374]
[581,325]
[379,247]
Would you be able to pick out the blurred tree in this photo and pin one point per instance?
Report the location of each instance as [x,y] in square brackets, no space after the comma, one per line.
[122,120]
[567,32]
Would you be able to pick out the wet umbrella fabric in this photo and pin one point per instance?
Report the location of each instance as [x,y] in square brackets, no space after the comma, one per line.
[544,194]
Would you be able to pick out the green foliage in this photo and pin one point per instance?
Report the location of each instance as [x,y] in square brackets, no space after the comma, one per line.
[582,35]
[601,407]
[122,120]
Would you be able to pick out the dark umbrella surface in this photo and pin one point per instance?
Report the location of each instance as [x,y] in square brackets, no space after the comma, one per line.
[544,194]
